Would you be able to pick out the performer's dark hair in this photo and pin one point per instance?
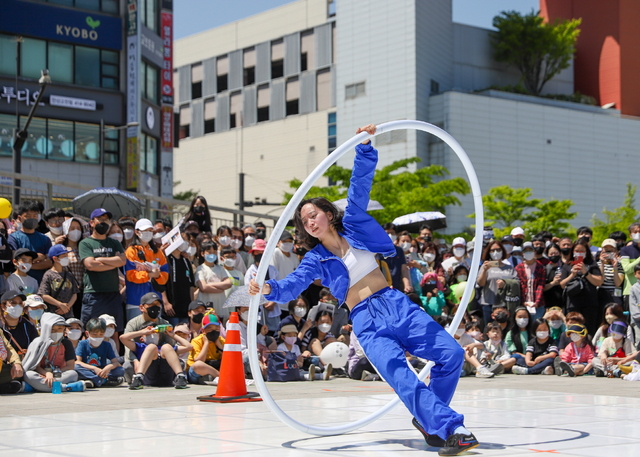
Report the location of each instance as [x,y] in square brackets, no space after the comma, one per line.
[324,205]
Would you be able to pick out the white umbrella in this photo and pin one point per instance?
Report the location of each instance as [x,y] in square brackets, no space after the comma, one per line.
[412,222]
[371,206]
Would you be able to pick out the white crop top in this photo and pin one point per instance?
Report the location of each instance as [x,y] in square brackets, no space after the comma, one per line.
[359,263]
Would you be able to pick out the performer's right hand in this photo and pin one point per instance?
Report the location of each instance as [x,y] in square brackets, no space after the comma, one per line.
[370,129]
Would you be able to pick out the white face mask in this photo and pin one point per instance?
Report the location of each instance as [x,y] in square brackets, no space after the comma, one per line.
[636,237]
[324,328]
[191,251]
[235,244]
[458,252]
[460,332]
[224,240]
[95,342]
[145,237]
[74,334]
[56,337]
[286,247]
[496,255]
[24,267]
[555,324]
[528,255]
[542,335]
[36,314]
[116,236]
[461,278]
[108,333]
[575,337]
[429,257]
[64,261]
[245,316]
[299,311]
[75,235]
[508,248]
[229,263]
[14,311]
[405,246]
[610,318]
[56,230]
[128,233]
[157,237]
[290,340]
[393,237]
[248,241]
[183,247]
[522,321]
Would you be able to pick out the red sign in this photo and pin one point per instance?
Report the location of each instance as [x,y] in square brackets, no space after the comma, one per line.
[167,55]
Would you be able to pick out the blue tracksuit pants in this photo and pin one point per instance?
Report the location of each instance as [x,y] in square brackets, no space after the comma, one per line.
[387,324]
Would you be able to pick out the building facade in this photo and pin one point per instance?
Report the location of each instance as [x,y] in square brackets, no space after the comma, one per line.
[86,46]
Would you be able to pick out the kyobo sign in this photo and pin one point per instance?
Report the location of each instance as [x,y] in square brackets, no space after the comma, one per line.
[61,24]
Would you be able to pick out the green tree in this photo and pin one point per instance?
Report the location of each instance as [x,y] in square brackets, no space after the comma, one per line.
[186,195]
[399,190]
[537,49]
[618,219]
[551,215]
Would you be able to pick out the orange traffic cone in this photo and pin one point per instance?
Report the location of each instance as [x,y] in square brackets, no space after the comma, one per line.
[231,385]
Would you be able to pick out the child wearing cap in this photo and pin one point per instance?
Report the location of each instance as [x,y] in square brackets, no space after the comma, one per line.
[59,288]
[110,331]
[577,356]
[615,352]
[95,360]
[35,307]
[17,327]
[205,356]
[19,280]
[183,350]
[75,330]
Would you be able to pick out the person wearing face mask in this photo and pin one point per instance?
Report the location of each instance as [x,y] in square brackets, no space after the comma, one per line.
[225,239]
[50,352]
[10,367]
[237,244]
[616,352]
[613,275]
[556,320]
[35,307]
[272,310]
[72,230]
[20,280]
[459,257]
[470,346]
[315,339]
[298,310]
[539,244]
[181,284]
[197,308]
[541,352]
[509,244]
[146,269]
[212,279]
[517,234]
[283,259]
[28,237]
[58,288]
[199,213]
[19,329]
[128,227]
[532,277]
[612,312]
[96,361]
[580,279]
[54,218]
[110,331]
[500,314]
[160,228]
[102,257]
[74,331]
[249,233]
[496,356]
[553,271]
[492,276]
[519,335]
[577,357]
[205,357]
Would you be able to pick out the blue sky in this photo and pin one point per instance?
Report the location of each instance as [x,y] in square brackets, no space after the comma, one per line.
[193,16]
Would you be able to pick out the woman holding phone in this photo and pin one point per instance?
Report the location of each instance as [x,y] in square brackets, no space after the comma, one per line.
[492,276]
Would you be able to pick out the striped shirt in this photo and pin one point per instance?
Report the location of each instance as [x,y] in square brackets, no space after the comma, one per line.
[608,274]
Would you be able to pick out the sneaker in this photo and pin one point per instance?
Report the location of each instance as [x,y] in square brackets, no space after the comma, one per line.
[180,382]
[312,372]
[617,373]
[548,371]
[556,366]
[205,379]
[496,369]
[114,382]
[136,382]
[598,372]
[564,366]
[88,384]
[77,386]
[327,372]
[458,443]
[432,440]
[517,369]
[483,372]
[368,376]
[26,388]
[11,387]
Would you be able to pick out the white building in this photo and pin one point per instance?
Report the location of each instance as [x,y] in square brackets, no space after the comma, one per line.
[271,95]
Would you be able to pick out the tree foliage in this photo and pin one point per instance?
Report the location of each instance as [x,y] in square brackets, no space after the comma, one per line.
[618,219]
[537,49]
[186,195]
[399,190]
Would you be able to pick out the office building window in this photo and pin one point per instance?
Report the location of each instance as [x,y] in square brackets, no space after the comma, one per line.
[196,81]
[277,59]
[210,116]
[148,154]
[263,102]
[307,50]
[248,67]
[332,133]
[292,96]
[331,8]
[185,122]
[61,62]
[435,87]
[106,6]
[7,55]
[87,71]
[87,142]
[354,90]
[33,57]
[110,68]
[149,82]
[235,110]
[222,73]
[111,146]
[323,89]
[148,10]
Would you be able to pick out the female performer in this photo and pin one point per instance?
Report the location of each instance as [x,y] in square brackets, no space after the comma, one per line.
[385,321]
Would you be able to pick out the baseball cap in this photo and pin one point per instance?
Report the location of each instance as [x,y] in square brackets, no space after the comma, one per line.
[288,329]
[459,242]
[210,319]
[110,320]
[143,224]
[517,231]
[57,251]
[182,328]
[11,294]
[73,320]
[100,212]
[527,245]
[196,303]
[258,246]
[24,251]
[577,328]
[286,236]
[609,242]
[507,239]
[34,301]
[149,298]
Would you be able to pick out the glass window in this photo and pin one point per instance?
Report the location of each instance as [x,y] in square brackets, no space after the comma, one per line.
[87,66]
[93,5]
[87,142]
[152,154]
[149,77]
[61,138]
[7,124]
[148,13]
[62,2]
[7,55]
[61,62]
[110,6]
[33,57]
[37,144]
[111,145]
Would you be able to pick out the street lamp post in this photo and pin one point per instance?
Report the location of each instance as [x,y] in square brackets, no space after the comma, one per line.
[103,130]
[21,135]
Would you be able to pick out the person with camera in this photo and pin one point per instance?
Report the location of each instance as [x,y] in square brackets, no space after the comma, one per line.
[612,273]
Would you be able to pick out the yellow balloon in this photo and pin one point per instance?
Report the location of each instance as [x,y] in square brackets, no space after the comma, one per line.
[458,290]
[5,208]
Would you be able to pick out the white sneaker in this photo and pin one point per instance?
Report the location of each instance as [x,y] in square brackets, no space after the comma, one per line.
[483,372]
[517,369]
[312,372]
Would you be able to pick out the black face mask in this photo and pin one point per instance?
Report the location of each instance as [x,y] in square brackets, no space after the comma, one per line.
[518,241]
[555,258]
[257,257]
[539,250]
[213,336]
[153,312]
[565,251]
[102,228]
[199,209]
[427,239]
[501,317]
[584,239]
[620,245]
[30,223]
[197,318]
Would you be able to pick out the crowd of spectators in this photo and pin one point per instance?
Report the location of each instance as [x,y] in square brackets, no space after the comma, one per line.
[94,303]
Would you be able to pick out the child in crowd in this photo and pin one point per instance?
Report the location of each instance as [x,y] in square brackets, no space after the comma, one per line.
[519,335]
[612,312]
[110,331]
[358,366]
[541,351]
[59,288]
[496,354]
[211,279]
[577,357]
[473,329]
[317,335]
[75,330]
[432,295]
[615,352]
[556,320]
[35,307]
[457,279]
[19,280]
[48,356]
[572,318]
[206,353]
[182,331]
[144,344]
[470,345]
[289,335]
[19,330]
[95,359]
